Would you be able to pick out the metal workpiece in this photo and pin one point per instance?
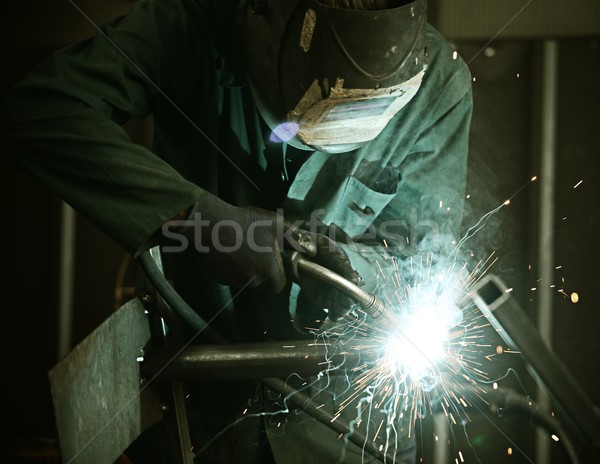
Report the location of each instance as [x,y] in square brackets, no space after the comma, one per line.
[263,361]
[99,406]
[302,401]
[503,312]
[270,362]
[251,360]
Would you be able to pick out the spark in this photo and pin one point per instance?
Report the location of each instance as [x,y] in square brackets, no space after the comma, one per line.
[433,357]
[424,359]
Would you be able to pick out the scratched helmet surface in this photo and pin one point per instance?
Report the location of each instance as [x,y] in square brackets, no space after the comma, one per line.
[330,77]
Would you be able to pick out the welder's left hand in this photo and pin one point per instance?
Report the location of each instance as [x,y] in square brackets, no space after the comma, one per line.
[317,299]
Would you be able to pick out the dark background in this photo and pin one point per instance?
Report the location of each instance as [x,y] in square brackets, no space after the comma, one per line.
[503,44]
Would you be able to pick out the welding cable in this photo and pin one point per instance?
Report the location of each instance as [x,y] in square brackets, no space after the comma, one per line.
[295,397]
[511,399]
[174,299]
[503,401]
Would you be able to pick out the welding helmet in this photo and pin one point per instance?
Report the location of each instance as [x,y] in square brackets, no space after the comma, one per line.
[330,78]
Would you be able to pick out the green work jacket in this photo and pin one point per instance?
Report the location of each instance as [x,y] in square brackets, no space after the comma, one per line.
[182,62]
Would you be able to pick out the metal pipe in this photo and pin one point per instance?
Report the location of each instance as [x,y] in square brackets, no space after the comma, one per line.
[262,360]
[369,303]
[250,360]
[66,277]
[490,295]
[441,428]
[548,108]
[301,401]
[294,396]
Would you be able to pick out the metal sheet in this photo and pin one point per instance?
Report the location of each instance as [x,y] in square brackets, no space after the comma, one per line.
[98,404]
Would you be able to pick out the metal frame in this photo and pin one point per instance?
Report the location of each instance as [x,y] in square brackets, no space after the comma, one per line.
[270,361]
[494,300]
[171,365]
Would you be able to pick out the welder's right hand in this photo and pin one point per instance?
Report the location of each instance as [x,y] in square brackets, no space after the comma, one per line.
[242,247]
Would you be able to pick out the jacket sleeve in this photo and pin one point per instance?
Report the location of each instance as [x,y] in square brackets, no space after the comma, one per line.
[62,122]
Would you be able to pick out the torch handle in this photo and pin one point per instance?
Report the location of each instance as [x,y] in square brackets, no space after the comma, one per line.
[369,303]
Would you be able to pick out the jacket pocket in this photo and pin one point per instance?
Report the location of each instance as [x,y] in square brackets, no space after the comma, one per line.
[357,206]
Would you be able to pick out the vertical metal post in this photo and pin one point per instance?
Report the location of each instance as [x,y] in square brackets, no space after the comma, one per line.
[173,395]
[548,115]
[66,276]
[441,428]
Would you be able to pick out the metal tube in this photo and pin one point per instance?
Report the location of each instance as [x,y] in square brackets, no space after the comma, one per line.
[441,428]
[179,421]
[66,275]
[546,227]
[262,360]
[295,397]
[370,304]
[512,324]
[303,402]
[249,360]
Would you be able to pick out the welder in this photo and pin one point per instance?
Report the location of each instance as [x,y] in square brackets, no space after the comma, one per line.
[330,127]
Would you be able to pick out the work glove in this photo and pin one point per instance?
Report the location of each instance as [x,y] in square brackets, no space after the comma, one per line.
[318,299]
[240,246]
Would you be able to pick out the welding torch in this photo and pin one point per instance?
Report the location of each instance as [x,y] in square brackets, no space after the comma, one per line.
[369,303]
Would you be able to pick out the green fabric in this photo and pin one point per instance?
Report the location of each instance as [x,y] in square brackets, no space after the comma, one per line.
[62,121]
[181,61]
[176,60]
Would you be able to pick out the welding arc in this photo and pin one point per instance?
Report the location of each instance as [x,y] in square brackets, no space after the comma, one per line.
[295,397]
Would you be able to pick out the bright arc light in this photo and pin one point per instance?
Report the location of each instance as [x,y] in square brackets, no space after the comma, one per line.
[422,340]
